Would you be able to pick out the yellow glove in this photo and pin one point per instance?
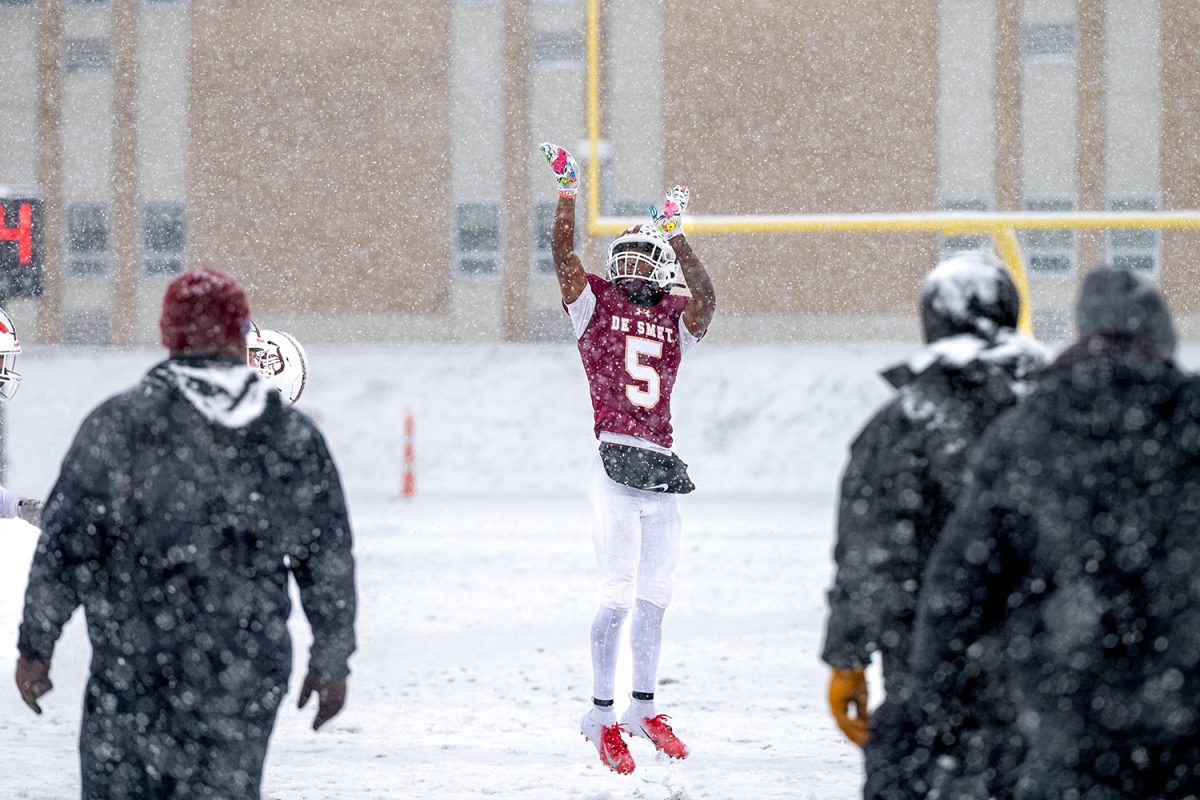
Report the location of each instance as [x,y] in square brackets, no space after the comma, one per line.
[848,689]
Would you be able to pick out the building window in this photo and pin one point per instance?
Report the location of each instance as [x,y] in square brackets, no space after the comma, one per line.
[626,207]
[87,326]
[88,227]
[477,238]
[1134,248]
[1049,250]
[164,237]
[1042,42]
[88,55]
[543,221]
[948,245]
[562,48]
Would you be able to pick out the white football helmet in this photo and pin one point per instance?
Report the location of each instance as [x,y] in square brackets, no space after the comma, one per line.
[10,379]
[279,358]
[642,252]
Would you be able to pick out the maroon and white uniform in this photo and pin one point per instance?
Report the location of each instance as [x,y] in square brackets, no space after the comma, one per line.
[631,355]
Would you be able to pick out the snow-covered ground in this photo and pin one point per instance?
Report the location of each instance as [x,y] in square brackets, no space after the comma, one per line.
[476,596]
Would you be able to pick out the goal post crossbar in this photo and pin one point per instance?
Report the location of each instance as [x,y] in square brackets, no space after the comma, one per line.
[948,223]
[1001,226]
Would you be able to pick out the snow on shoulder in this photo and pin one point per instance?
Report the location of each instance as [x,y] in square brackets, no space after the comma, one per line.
[1008,347]
[229,395]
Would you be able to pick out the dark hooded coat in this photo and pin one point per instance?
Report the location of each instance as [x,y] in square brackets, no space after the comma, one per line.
[1077,547]
[904,479]
[180,510]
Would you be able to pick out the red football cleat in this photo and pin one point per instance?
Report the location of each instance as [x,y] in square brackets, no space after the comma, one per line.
[658,732]
[614,753]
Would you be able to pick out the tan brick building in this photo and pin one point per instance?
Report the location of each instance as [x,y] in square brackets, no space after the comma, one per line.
[368,169]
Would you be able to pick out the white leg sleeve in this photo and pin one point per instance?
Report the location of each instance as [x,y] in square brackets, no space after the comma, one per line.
[646,640]
[606,644]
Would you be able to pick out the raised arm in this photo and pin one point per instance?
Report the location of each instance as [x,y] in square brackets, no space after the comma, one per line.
[699,312]
[669,220]
[572,280]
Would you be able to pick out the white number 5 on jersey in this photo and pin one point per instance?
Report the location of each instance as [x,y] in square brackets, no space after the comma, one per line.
[635,348]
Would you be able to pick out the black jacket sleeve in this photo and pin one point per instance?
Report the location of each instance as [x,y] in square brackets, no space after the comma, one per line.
[884,505]
[324,564]
[71,549]
[973,569]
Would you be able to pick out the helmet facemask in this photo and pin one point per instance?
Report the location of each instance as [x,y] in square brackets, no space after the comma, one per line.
[643,253]
[268,360]
[10,379]
[279,359]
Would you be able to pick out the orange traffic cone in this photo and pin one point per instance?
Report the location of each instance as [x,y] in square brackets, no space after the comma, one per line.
[408,487]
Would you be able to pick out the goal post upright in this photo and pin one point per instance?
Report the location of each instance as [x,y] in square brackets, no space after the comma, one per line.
[1008,247]
[593,114]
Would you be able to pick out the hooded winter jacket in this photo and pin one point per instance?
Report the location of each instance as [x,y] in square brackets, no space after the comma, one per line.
[907,465]
[902,481]
[180,510]
[1077,546]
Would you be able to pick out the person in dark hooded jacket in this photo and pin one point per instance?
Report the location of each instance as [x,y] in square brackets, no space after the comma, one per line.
[181,508]
[1077,546]
[905,474]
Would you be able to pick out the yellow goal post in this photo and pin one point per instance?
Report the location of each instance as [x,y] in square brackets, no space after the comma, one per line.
[1001,226]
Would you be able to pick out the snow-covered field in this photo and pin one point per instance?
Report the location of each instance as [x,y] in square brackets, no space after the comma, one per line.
[476,596]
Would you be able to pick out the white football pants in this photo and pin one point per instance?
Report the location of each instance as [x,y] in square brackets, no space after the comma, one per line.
[636,536]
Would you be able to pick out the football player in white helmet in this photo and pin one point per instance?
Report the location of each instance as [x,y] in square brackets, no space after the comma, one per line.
[12,504]
[280,360]
[632,332]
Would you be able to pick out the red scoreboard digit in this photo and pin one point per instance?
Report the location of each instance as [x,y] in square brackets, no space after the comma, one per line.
[22,234]
[20,243]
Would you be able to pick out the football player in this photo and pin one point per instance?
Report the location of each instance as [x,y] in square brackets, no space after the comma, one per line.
[12,504]
[280,360]
[631,331]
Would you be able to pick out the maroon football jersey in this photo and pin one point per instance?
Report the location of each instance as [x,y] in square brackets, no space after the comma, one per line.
[631,356]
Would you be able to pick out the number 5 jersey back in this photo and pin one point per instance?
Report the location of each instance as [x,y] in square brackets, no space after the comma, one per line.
[631,356]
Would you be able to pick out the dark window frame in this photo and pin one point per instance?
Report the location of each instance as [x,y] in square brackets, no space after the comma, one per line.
[1050,251]
[1139,249]
[87,237]
[477,238]
[163,237]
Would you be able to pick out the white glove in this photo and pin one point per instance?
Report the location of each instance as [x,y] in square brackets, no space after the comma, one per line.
[30,510]
[669,220]
[566,171]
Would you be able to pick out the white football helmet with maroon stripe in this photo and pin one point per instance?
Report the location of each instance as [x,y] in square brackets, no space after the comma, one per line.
[279,359]
[642,252]
[10,379]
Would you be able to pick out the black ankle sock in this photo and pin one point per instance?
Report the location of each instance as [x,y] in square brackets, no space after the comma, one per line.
[602,703]
[645,697]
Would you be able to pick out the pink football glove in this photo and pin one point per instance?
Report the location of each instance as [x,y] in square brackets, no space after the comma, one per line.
[669,220]
[566,171]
